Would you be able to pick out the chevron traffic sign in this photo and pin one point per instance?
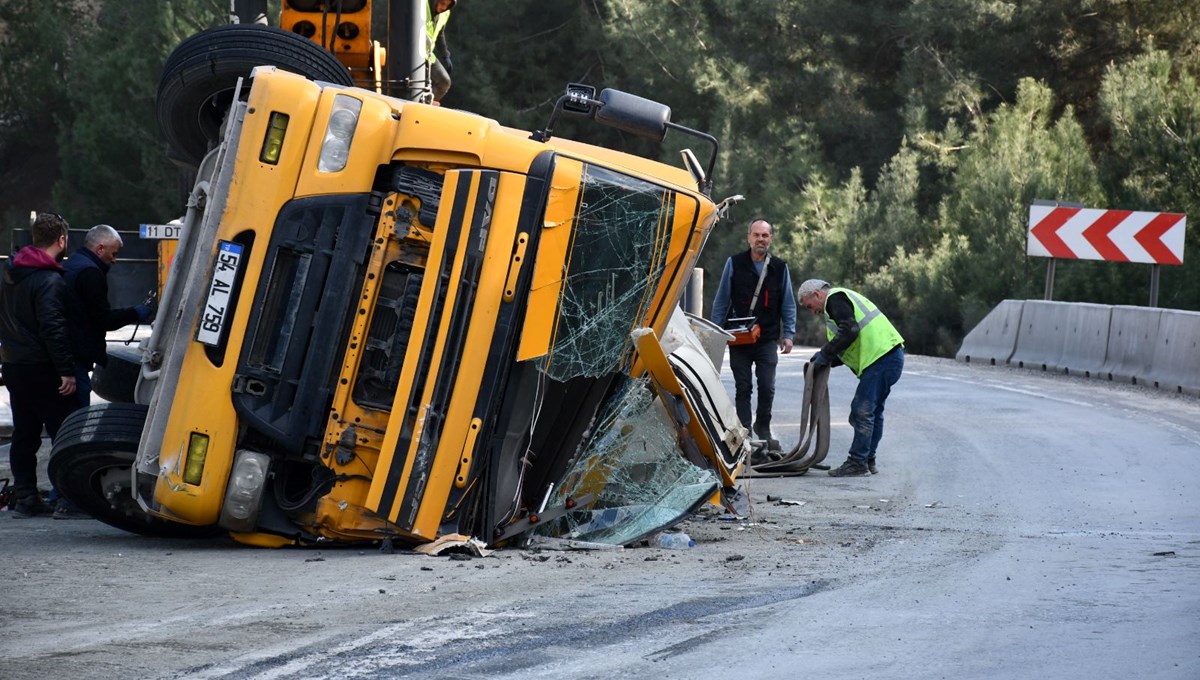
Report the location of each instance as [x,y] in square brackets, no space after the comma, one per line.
[1112,235]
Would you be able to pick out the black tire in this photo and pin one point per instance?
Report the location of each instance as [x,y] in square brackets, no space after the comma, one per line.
[116,381]
[199,78]
[92,454]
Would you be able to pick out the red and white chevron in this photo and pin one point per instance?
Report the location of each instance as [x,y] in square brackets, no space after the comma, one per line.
[1113,235]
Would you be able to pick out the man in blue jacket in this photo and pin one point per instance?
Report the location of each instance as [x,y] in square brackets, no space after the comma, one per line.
[35,354]
[757,284]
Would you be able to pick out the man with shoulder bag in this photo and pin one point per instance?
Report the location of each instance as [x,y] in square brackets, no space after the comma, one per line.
[755,302]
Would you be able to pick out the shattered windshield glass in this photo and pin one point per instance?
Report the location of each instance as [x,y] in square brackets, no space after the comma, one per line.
[633,466]
[617,255]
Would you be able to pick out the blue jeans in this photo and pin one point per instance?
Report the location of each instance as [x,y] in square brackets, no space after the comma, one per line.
[761,359]
[866,409]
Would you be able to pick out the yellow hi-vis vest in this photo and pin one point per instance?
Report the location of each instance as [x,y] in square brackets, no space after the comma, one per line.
[433,27]
[876,335]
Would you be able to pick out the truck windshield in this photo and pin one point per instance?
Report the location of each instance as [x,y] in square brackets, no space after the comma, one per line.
[616,258]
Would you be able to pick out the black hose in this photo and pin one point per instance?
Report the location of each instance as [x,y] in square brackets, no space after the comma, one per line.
[813,445]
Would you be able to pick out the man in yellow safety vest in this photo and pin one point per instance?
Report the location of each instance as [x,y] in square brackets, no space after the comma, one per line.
[435,23]
[861,337]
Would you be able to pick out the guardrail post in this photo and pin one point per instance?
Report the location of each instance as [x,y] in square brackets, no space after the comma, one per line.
[693,293]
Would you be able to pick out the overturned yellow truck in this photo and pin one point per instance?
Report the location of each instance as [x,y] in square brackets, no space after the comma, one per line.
[392,320]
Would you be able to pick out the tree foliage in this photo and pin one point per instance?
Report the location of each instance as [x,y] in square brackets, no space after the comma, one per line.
[895,144]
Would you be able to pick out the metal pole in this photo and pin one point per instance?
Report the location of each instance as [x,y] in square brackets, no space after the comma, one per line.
[693,294]
[404,73]
[1049,295]
[1154,285]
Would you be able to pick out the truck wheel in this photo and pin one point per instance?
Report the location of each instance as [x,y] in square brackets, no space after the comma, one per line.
[90,465]
[198,79]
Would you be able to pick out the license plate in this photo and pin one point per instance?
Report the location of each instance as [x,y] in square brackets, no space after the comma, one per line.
[220,298]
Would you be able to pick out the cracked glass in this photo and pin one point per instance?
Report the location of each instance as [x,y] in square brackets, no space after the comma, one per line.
[633,466]
[616,258]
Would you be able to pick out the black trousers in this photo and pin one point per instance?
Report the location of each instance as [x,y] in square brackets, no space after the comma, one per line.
[441,80]
[750,362]
[35,402]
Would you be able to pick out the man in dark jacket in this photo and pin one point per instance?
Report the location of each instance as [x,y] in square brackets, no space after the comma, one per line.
[88,309]
[774,310]
[35,354]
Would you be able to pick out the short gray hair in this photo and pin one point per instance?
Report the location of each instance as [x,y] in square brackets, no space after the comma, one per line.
[756,220]
[811,286]
[101,233]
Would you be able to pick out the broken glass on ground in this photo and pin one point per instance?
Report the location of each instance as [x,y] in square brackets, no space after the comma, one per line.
[632,465]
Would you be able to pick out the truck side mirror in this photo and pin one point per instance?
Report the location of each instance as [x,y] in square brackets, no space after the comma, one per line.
[633,114]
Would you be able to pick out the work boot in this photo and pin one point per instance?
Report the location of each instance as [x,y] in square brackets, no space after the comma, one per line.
[31,505]
[850,469]
[763,456]
[762,431]
[871,465]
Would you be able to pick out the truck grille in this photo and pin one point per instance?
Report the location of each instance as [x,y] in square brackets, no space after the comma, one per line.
[387,339]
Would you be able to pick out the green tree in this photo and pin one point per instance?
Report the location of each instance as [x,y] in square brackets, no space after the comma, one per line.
[895,144]
[1152,107]
[37,46]
[1018,153]
[921,291]
[113,162]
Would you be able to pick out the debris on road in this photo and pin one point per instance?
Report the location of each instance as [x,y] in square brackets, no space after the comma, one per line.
[552,543]
[471,545]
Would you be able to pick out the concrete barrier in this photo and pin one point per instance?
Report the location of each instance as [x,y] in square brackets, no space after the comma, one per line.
[1132,337]
[1041,335]
[1085,341]
[1175,364]
[993,339]
[1139,345]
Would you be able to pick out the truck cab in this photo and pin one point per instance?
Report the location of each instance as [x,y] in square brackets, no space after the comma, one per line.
[388,319]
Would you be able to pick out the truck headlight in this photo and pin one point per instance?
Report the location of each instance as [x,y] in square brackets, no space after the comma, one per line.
[335,149]
[243,495]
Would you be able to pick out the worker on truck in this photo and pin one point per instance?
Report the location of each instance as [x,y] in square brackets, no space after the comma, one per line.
[435,24]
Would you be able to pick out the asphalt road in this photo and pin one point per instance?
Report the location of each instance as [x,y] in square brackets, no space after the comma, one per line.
[1021,526]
